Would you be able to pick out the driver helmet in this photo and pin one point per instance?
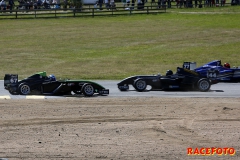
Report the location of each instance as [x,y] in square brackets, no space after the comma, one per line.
[169,72]
[52,77]
[226,65]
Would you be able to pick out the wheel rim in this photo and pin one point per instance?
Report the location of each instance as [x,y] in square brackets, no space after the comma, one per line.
[141,84]
[25,89]
[204,85]
[88,90]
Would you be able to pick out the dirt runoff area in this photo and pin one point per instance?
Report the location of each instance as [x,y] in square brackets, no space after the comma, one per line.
[120,128]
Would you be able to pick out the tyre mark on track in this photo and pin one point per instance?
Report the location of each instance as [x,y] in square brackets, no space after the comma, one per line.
[220,120]
[44,121]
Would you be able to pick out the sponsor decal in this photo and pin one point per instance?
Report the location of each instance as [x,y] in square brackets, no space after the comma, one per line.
[70,84]
[104,91]
[155,80]
[225,79]
[211,151]
[172,86]
[123,87]
[81,83]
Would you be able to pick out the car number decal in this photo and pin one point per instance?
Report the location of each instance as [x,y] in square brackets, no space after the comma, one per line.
[211,74]
[186,65]
[13,79]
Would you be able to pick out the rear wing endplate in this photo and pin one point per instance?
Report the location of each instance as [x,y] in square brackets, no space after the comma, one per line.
[10,79]
[190,65]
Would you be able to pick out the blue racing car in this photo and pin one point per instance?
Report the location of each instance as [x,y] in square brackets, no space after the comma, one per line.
[215,70]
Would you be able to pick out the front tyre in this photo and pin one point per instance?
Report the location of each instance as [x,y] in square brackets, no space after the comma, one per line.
[204,85]
[24,89]
[140,85]
[87,90]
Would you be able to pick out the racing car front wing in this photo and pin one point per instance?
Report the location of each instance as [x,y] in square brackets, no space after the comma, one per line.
[104,91]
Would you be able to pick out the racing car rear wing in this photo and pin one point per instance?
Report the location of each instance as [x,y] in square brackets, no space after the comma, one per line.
[10,79]
[190,65]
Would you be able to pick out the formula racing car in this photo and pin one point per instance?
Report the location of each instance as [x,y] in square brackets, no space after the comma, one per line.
[222,73]
[184,79]
[40,83]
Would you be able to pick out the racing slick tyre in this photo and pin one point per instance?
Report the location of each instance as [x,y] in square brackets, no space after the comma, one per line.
[24,89]
[204,85]
[140,85]
[87,90]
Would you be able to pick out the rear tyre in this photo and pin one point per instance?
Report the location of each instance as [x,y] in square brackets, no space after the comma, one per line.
[87,90]
[204,85]
[140,85]
[24,89]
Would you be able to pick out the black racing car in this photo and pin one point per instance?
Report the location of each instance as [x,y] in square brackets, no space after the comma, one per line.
[40,83]
[184,79]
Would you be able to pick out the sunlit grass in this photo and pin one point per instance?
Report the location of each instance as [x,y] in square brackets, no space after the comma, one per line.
[116,47]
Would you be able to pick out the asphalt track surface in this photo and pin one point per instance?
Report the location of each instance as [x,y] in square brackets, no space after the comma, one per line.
[217,90]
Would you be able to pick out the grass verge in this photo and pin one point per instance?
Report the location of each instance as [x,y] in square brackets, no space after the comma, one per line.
[121,46]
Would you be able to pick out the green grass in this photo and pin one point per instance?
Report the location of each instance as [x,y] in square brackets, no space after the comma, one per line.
[121,46]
